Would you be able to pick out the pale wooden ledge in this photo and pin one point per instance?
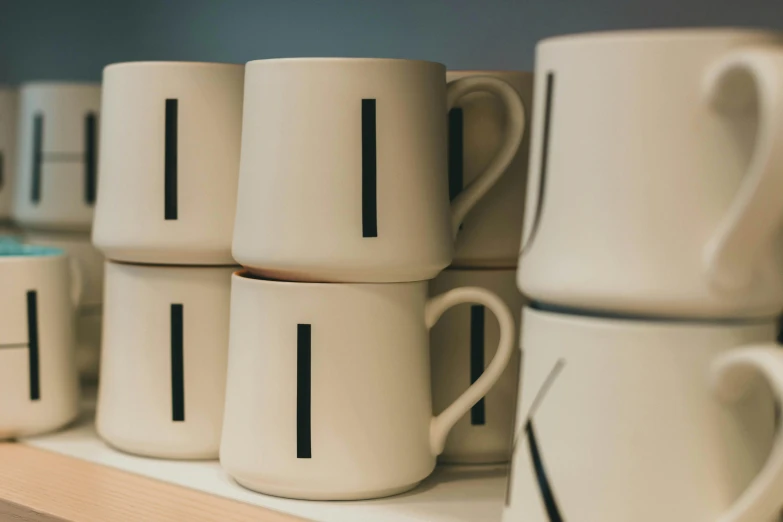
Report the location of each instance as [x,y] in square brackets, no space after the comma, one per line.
[42,486]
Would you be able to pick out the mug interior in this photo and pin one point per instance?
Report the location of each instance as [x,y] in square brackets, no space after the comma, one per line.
[10,247]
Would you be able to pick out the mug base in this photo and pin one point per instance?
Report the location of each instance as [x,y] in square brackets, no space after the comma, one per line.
[346,275]
[145,449]
[7,433]
[268,488]
[184,257]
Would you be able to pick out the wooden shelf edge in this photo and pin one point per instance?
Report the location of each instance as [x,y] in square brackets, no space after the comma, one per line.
[42,486]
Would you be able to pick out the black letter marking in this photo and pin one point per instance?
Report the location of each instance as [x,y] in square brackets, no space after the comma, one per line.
[477,413]
[170,167]
[303,385]
[177,364]
[369,171]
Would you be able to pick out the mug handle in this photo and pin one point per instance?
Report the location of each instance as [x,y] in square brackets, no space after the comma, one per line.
[731,373]
[433,310]
[77,281]
[510,98]
[756,212]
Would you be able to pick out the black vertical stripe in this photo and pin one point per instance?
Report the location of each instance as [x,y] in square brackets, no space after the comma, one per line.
[369,171]
[303,392]
[90,158]
[32,335]
[477,412]
[456,152]
[550,87]
[170,160]
[35,194]
[543,481]
[177,364]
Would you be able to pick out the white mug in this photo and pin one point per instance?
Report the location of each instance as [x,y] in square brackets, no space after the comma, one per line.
[39,386]
[328,388]
[462,341]
[88,316]
[343,173]
[8,104]
[57,162]
[624,419]
[163,365]
[492,230]
[655,172]
[169,162]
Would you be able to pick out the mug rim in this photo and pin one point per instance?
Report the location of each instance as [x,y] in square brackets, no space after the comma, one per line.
[499,72]
[57,83]
[605,318]
[341,59]
[25,251]
[657,34]
[169,63]
[244,274]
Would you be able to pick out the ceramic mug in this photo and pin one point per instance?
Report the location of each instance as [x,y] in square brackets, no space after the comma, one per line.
[163,365]
[8,104]
[343,173]
[328,392]
[492,230]
[169,162]
[57,163]
[88,317]
[462,341]
[39,386]
[624,419]
[655,174]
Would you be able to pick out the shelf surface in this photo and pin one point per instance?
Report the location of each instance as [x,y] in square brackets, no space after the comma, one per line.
[450,494]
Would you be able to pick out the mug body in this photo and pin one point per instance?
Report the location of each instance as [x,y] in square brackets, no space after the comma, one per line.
[39,387]
[169,162]
[57,174]
[490,234]
[163,366]
[8,107]
[617,420]
[343,170]
[328,392]
[88,315]
[462,342]
[631,172]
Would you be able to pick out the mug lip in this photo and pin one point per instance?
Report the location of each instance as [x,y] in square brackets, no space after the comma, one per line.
[607,318]
[58,83]
[245,274]
[342,59]
[25,251]
[169,63]
[657,34]
[499,72]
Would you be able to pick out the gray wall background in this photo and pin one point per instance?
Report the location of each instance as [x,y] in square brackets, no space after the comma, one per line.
[74,39]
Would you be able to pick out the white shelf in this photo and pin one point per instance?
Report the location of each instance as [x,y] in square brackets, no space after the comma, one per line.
[451,494]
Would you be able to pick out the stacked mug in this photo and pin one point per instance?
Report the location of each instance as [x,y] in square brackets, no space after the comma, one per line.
[652,253]
[170,142]
[343,217]
[8,107]
[55,187]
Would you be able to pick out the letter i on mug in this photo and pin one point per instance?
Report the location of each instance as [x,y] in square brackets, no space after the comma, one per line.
[343,172]
[39,387]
